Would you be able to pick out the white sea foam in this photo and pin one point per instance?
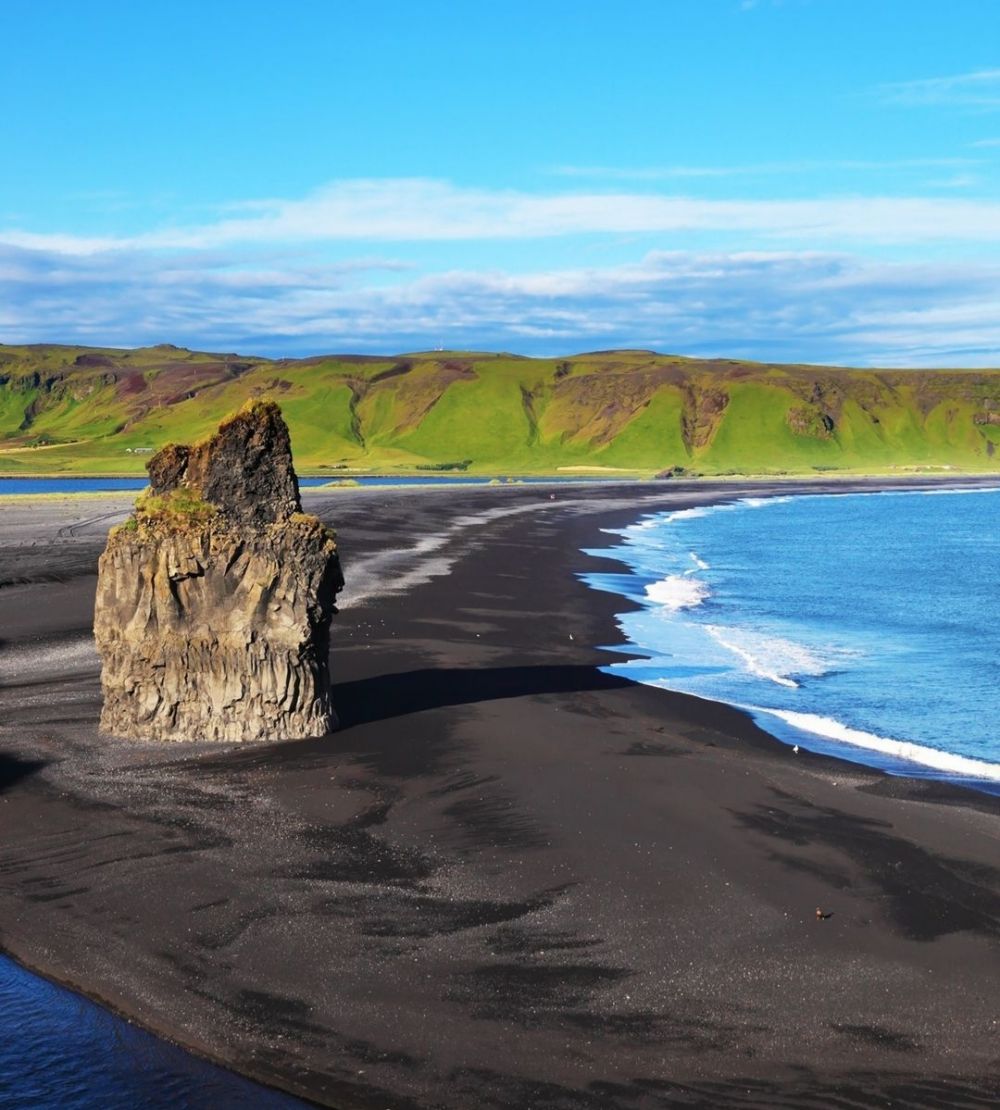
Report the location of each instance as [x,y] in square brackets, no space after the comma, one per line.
[692,513]
[954,492]
[698,561]
[678,591]
[899,749]
[644,524]
[696,511]
[769,657]
[760,502]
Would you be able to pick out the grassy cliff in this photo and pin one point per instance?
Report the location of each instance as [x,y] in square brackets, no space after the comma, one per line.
[94,410]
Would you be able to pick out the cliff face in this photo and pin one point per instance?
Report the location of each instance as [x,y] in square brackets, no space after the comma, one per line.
[98,409]
[214,600]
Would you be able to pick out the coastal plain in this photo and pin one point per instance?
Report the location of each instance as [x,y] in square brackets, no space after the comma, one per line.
[508,879]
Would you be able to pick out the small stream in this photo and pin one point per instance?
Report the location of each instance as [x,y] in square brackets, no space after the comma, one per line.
[119,485]
[58,1049]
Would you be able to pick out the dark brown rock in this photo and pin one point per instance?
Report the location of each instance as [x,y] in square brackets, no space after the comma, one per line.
[214,599]
[245,469]
[167,468]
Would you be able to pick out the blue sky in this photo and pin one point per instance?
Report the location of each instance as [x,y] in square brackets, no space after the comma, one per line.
[813,180]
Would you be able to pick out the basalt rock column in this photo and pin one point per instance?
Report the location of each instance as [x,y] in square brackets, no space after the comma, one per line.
[214,599]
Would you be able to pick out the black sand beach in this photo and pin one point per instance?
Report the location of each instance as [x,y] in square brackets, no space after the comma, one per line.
[508,880]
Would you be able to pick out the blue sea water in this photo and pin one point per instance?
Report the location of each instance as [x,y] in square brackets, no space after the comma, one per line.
[860,625]
[57,1049]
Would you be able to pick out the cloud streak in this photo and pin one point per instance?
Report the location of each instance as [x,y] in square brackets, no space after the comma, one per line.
[777,305]
[422,210]
[258,277]
[978,89]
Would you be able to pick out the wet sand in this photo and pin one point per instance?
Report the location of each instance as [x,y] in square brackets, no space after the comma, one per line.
[508,880]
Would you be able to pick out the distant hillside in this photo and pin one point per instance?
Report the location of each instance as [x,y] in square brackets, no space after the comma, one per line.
[92,410]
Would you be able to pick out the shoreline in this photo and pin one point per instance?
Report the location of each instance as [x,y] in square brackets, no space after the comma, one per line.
[435,838]
[849,743]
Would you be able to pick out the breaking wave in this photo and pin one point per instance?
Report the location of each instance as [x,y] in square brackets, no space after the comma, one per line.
[678,591]
[830,729]
[778,660]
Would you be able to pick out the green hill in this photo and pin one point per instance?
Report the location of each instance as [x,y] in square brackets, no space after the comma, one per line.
[85,410]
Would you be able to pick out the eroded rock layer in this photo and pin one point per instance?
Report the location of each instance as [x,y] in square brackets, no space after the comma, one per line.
[214,600]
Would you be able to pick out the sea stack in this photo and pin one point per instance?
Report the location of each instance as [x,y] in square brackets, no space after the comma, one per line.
[214,598]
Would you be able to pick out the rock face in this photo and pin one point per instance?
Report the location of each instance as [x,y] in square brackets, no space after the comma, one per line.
[214,599]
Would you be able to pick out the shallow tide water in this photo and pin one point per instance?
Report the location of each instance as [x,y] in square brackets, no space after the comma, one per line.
[859,625]
[57,1049]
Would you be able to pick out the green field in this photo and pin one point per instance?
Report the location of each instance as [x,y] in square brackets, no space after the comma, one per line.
[78,410]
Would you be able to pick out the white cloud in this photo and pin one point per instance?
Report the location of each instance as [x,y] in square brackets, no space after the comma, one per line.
[979,89]
[780,305]
[62,243]
[415,210]
[253,278]
[956,181]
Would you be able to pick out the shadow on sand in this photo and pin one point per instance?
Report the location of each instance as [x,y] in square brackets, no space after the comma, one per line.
[382,697]
[13,770]
[386,697]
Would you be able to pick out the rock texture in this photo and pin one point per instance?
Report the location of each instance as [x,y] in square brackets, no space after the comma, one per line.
[214,599]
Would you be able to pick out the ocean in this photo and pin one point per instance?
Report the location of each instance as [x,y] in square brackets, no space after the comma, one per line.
[858,625]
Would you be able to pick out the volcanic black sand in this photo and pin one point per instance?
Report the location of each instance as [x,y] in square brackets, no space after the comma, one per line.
[509,880]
